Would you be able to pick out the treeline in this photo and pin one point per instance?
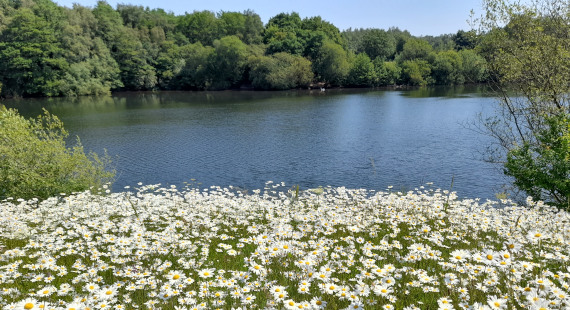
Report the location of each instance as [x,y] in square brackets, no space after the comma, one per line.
[48,50]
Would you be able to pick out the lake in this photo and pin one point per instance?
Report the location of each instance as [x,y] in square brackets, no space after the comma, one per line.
[354,138]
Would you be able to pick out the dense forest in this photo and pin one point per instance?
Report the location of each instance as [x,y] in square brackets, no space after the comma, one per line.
[48,50]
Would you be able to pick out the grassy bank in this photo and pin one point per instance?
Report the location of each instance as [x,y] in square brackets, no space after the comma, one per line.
[332,248]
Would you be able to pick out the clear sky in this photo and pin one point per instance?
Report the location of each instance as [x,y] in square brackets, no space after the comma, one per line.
[420,17]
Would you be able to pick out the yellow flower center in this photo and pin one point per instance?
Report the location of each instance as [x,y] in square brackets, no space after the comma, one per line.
[176,277]
[319,302]
[28,305]
[489,257]
[108,292]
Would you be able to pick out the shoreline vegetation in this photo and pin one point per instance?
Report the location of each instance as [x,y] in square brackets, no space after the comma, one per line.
[49,50]
[327,248]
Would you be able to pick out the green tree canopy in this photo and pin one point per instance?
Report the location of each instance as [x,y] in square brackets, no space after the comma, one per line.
[92,69]
[317,24]
[447,68]
[200,26]
[415,49]
[465,39]
[226,64]
[31,56]
[416,72]
[247,26]
[332,64]
[474,66]
[194,71]
[362,72]
[378,43]
[280,71]
[388,72]
[527,48]
[283,33]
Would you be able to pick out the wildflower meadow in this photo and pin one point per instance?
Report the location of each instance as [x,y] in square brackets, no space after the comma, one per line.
[152,247]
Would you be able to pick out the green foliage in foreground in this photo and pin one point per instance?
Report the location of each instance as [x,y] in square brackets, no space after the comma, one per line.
[35,162]
[544,166]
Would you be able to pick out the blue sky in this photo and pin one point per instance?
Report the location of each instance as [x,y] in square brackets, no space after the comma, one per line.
[420,17]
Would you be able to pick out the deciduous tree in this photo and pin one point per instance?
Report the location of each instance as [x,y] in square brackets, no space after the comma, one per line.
[527,48]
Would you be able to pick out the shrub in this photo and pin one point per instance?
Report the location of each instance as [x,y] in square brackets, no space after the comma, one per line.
[542,169]
[35,162]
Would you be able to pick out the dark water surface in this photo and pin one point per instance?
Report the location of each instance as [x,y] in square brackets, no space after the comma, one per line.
[353,138]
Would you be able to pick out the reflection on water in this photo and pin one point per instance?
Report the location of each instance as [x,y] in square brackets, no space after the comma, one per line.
[342,137]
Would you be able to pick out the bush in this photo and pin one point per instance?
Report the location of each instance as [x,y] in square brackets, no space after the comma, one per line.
[542,169]
[35,162]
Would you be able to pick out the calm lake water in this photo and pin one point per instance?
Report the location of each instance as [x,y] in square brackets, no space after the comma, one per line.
[355,138]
